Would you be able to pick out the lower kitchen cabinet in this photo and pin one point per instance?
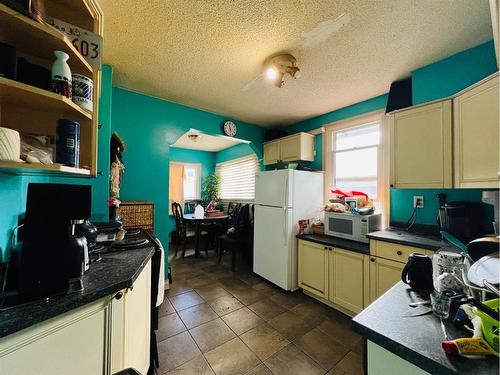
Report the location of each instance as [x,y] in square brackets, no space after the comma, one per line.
[384,274]
[74,343]
[349,279]
[313,268]
[102,337]
[337,275]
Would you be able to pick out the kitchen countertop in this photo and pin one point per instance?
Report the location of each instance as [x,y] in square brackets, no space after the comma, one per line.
[416,339]
[116,271]
[358,247]
[397,235]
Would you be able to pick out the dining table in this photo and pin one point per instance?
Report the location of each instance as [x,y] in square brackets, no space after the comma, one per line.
[198,223]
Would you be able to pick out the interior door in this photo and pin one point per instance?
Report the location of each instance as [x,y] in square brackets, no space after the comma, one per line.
[271,188]
[271,245]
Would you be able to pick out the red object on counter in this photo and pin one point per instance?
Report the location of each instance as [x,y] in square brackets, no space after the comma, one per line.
[351,193]
[449,347]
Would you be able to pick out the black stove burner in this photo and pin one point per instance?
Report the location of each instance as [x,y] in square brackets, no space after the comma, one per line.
[132,232]
[96,248]
[129,243]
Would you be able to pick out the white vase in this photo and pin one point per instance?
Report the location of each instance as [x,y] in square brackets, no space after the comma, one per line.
[61,75]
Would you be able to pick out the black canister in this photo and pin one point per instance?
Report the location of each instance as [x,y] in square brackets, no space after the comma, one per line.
[68,143]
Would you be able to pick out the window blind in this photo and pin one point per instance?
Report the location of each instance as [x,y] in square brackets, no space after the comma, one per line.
[237,177]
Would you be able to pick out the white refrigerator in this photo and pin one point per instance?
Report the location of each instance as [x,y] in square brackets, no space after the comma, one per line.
[282,198]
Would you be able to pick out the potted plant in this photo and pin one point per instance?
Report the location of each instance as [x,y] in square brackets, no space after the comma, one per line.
[210,190]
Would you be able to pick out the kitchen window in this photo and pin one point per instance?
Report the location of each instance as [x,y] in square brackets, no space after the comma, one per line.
[237,178]
[354,157]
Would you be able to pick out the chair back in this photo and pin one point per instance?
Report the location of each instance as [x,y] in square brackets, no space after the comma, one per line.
[241,222]
[180,229]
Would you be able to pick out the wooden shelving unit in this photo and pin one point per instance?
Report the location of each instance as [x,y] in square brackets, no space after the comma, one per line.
[38,39]
[32,110]
[13,167]
[17,93]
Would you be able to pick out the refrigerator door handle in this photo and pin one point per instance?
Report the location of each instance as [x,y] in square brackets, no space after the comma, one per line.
[285,193]
[284,224]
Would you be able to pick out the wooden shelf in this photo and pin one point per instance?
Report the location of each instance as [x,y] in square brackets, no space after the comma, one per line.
[19,168]
[39,39]
[22,95]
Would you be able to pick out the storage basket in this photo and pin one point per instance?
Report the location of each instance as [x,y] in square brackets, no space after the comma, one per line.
[137,214]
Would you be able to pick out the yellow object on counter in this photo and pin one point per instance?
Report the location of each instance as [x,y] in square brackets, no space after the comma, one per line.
[468,346]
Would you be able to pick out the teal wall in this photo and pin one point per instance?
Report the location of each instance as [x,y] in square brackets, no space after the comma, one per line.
[402,203]
[206,159]
[453,74]
[149,126]
[440,79]
[13,189]
[373,104]
[233,152]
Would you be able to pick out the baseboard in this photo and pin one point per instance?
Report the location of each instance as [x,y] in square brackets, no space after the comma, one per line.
[330,304]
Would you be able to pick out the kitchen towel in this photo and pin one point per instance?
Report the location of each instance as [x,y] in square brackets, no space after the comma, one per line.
[161,279]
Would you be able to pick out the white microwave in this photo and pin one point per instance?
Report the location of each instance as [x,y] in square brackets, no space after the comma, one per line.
[351,226]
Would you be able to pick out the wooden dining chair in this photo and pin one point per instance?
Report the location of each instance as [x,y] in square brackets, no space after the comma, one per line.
[182,234]
[238,240]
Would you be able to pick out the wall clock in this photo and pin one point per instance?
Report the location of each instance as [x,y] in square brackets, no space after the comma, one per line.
[229,128]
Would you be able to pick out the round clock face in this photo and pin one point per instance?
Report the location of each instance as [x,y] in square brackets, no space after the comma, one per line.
[229,128]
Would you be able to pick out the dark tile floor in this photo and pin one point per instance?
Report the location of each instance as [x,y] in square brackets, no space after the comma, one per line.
[217,321]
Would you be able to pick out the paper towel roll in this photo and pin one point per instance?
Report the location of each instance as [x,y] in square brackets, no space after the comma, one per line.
[10,145]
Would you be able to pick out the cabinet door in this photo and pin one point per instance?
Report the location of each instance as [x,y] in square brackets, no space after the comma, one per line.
[348,279]
[313,268]
[384,274]
[271,152]
[137,322]
[421,147]
[74,343]
[476,136]
[290,148]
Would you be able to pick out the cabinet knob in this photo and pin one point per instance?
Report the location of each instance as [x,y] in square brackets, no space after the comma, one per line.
[372,259]
[119,295]
[399,252]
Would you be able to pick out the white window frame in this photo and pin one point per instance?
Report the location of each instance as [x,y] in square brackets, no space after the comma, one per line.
[382,157]
[246,157]
[197,166]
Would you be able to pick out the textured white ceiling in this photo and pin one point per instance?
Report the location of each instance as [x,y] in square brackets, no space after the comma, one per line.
[202,53]
[205,142]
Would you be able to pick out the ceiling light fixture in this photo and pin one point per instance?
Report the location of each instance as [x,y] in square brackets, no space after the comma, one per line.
[193,137]
[280,65]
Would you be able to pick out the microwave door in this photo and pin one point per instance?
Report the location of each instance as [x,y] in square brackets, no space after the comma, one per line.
[341,226]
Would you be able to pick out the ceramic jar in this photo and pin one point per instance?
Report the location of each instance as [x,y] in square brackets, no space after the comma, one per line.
[10,145]
[61,75]
[83,91]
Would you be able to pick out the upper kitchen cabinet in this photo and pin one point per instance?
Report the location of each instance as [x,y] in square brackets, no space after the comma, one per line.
[26,103]
[421,146]
[476,149]
[296,147]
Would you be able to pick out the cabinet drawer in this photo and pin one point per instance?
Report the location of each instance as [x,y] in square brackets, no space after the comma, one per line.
[394,251]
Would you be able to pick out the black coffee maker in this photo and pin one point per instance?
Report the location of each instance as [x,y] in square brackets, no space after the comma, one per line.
[53,257]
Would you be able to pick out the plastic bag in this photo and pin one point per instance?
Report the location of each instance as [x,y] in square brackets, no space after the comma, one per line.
[36,149]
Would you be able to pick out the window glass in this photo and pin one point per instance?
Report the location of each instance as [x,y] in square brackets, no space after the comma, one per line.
[237,178]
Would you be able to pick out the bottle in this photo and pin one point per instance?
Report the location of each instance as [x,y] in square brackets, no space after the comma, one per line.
[61,80]
[199,212]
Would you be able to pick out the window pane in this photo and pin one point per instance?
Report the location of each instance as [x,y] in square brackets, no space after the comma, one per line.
[358,137]
[190,182]
[355,164]
[368,186]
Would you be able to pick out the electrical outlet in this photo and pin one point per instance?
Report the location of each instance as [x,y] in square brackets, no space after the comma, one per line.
[418,201]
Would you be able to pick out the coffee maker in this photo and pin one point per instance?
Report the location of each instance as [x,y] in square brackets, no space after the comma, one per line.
[53,258]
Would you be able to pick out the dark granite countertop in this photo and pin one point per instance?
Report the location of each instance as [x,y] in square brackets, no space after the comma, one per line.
[420,240]
[416,339]
[358,247]
[116,271]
